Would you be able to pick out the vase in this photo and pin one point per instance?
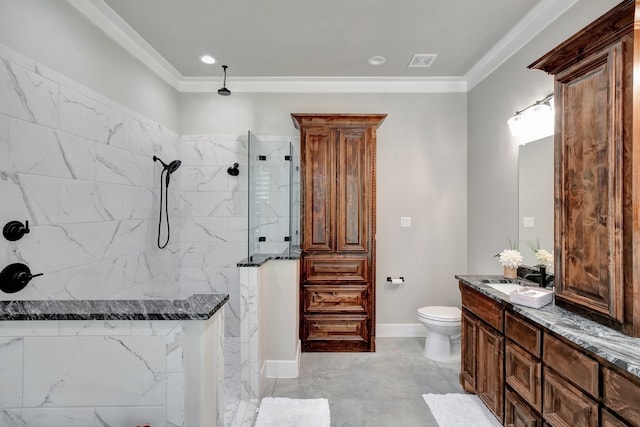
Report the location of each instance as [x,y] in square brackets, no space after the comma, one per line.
[510,272]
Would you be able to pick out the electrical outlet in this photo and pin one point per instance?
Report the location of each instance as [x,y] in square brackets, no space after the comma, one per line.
[528,222]
[405,221]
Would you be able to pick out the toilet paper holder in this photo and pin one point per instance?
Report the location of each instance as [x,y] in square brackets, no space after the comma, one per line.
[395,280]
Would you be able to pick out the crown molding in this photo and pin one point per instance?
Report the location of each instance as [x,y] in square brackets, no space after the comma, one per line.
[533,23]
[329,85]
[99,13]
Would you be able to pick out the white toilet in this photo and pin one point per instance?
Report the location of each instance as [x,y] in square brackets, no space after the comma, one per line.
[443,324]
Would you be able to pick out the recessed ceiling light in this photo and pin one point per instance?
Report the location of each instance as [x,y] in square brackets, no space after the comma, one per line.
[208,59]
[376,60]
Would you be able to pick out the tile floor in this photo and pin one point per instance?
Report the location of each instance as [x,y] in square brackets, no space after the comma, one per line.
[373,389]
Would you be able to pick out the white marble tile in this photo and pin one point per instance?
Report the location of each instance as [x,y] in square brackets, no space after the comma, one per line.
[29,328]
[175,349]
[175,399]
[205,280]
[5,163]
[17,58]
[95,327]
[238,229]
[153,327]
[87,371]
[83,116]
[142,136]
[117,238]
[190,204]
[80,202]
[79,155]
[54,247]
[125,202]
[226,255]
[191,154]
[27,96]
[124,416]
[55,76]
[11,352]
[94,281]
[204,230]
[36,149]
[218,204]
[220,152]
[204,178]
[41,197]
[47,417]
[118,166]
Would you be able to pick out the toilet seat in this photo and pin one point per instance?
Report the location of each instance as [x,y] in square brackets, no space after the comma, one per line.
[441,313]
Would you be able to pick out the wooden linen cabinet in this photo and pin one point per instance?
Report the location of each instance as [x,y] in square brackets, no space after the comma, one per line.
[337,273]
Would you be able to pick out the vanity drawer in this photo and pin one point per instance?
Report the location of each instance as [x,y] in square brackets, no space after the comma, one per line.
[565,405]
[522,332]
[622,395]
[608,420]
[571,364]
[518,414]
[335,269]
[524,374]
[335,299]
[482,306]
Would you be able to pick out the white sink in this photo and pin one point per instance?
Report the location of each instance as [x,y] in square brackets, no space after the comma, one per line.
[505,287]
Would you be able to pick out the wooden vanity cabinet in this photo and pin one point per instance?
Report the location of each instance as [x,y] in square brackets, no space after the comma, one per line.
[597,154]
[482,334]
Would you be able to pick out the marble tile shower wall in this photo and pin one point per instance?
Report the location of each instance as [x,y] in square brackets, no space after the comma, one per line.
[79,167]
[213,209]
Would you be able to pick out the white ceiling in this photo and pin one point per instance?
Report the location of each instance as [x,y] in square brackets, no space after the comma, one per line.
[330,40]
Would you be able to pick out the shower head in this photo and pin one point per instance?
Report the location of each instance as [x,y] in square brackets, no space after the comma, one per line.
[223,90]
[169,168]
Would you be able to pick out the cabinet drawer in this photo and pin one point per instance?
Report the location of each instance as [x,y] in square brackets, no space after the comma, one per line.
[571,364]
[523,373]
[565,405]
[622,396]
[336,299]
[482,306]
[526,335]
[333,269]
[608,420]
[518,413]
[335,327]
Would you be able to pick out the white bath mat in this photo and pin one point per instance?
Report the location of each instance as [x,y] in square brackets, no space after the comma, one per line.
[460,410]
[285,412]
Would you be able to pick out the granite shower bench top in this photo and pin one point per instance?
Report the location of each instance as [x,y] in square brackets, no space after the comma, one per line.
[611,345]
[193,307]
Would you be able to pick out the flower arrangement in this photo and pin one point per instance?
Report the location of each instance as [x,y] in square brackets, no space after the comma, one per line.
[510,259]
[542,256]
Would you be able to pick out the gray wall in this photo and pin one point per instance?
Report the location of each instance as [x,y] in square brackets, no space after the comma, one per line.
[492,172]
[421,172]
[54,34]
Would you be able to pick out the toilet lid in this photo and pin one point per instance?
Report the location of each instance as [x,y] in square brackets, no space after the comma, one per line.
[438,312]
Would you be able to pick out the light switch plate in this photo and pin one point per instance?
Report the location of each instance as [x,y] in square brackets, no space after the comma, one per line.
[528,222]
[405,221]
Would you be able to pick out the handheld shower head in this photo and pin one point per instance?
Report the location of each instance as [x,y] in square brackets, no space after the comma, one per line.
[169,168]
[223,90]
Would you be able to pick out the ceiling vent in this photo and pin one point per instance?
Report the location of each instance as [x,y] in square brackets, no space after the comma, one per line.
[422,60]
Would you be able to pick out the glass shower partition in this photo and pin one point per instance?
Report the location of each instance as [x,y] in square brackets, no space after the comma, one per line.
[272,168]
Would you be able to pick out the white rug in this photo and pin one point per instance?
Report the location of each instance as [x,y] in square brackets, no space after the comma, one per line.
[285,412]
[460,410]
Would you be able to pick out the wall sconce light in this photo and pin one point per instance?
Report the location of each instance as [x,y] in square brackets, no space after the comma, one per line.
[533,122]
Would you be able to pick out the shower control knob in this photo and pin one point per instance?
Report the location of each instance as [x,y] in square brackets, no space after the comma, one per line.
[15,277]
[14,230]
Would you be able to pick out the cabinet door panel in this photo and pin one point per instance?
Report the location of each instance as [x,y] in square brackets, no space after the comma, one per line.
[608,420]
[489,382]
[468,365]
[518,414]
[622,395]
[319,189]
[336,327]
[354,189]
[589,216]
[565,405]
[522,332]
[523,373]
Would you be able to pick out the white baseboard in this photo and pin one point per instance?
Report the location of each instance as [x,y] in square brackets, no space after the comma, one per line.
[389,330]
[284,368]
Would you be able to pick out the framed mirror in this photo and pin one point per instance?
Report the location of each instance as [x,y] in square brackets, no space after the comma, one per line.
[535,197]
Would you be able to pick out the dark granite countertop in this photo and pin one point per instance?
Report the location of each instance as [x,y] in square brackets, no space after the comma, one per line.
[259,259]
[609,344]
[194,307]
